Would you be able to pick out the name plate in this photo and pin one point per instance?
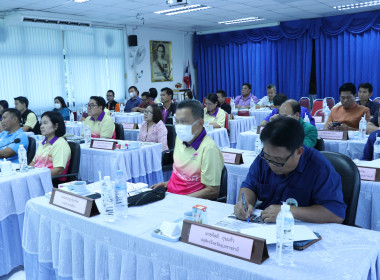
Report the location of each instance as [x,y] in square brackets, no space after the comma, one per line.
[259,129]
[103,145]
[369,174]
[129,125]
[75,203]
[319,119]
[333,134]
[223,241]
[232,158]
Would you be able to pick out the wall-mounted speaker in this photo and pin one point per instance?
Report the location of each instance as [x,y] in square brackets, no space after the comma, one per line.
[132,40]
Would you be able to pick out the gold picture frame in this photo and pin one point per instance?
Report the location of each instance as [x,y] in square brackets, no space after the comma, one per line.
[161,61]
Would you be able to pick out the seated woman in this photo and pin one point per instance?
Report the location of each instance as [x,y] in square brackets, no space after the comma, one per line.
[101,124]
[153,129]
[54,152]
[60,107]
[213,114]
[188,95]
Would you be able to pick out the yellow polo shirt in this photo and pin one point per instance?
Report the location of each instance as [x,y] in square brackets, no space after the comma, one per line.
[102,127]
[218,117]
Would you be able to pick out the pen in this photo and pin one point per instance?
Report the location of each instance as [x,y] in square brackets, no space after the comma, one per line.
[244,204]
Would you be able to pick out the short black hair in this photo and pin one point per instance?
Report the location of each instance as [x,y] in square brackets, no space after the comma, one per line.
[134,88]
[363,85]
[168,91]
[16,113]
[153,93]
[213,98]
[283,132]
[157,113]
[4,104]
[248,85]
[195,107]
[56,118]
[189,94]
[222,92]
[146,94]
[296,107]
[100,101]
[279,98]
[61,100]
[271,86]
[111,91]
[22,100]
[348,87]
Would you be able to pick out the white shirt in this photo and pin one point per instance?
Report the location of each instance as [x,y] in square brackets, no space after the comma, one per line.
[265,101]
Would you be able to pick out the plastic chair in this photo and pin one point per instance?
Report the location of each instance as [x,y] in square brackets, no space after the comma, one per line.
[226,123]
[73,169]
[31,149]
[119,129]
[350,175]
[222,197]
[204,103]
[330,102]
[319,112]
[305,102]
[228,100]
[320,145]
[167,155]
[317,105]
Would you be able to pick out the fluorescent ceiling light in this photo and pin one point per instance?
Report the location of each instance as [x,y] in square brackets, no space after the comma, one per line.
[185,9]
[241,20]
[81,1]
[357,5]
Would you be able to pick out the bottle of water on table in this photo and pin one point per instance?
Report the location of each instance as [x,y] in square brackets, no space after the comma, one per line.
[72,118]
[108,198]
[285,236]
[22,159]
[121,196]
[258,145]
[376,148]
[232,103]
[362,128]
[87,134]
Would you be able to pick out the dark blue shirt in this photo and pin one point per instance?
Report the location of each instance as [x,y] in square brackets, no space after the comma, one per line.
[373,107]
[132,103]
[304,112]
[65,112]
[375,119]
[368,149]
[314,181]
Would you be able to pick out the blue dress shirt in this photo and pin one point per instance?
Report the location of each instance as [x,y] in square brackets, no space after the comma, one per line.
[6,138]
[65,112]
[132,104]
[314,181]
[368,149]
[304,111]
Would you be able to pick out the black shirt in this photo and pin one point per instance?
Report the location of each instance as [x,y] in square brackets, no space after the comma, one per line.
[375,119]
[373,107]
[111,105]
[170,112]
[226,108]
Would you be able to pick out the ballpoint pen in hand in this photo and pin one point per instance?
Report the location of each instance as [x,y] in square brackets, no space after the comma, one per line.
[244,204]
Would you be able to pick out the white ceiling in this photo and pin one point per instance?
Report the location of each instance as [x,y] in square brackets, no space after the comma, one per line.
[123,12]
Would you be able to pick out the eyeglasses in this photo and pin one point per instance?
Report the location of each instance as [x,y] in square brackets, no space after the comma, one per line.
[261,155]
[91,105]
[146,112]
[209,104]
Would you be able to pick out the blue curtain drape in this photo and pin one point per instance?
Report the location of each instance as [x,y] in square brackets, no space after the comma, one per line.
[347,50]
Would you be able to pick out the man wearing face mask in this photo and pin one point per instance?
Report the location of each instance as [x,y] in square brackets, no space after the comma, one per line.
[198,162]
[134,101]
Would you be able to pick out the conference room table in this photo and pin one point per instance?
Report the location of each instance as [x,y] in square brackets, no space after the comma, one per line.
[220,136]
[139,165]
[238,125]
[135,117]
[74,128]
[61,244]
[15,190]
[131,134]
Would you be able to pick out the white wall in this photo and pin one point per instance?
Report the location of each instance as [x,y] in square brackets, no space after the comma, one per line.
[182,52]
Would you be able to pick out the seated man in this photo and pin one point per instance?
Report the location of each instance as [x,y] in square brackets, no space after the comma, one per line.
[222,101]
[153,94]
[368,149]
[349,113]
[373,124]
[101,124]
[168,107]
[134,101]
[29,119]
[285,169]
[365,92]
[278,99]
[267,101]
[198,162]
[146,100]
[12,130]
[112,105]
[244,100]
[292,109]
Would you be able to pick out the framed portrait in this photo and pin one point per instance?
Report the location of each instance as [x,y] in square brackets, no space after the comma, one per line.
[161,61]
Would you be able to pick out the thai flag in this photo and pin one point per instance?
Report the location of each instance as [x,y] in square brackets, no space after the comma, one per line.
[187,77]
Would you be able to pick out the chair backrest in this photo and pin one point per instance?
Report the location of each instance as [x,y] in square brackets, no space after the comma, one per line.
[228,100]
[222,197]
[350,175]
[119,129]
[330,101]
[171,136]
[317,105]
[319,112]
[377,100]
[226,123]
[305,102]
[31,149]
[75,158]
[320,145]
[204,102]
[244,113]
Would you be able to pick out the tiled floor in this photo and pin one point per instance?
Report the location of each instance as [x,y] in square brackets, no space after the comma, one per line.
[16,274]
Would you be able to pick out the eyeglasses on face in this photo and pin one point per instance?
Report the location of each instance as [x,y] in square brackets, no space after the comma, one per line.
[146,112]
[278,164]
[91,105]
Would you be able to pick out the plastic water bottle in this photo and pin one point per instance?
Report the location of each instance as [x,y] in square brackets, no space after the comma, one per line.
[285,236]
[108,198]
[72,117]
[22,159]
[362,128]
[121,196]
[121,108]
[376,148]
[232,103]
[258,145]
[325,104]
[326,110]
[87,134]
[252,104]
[306,120]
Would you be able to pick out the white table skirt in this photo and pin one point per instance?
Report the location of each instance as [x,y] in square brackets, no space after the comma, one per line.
[74,128]
[238,125]
[60,243]
[319,126]
[220,136]
[15,191]
[139,165]
[246,140]
[129,118]
[351,148]
[131,134]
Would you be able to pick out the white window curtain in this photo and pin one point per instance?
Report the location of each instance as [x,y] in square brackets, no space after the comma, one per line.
[95,63]
[31,65]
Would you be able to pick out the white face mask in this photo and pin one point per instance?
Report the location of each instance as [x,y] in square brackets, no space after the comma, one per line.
[132,94]
[57,105]
[184,131]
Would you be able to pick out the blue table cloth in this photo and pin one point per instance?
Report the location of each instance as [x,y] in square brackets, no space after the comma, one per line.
[351,148]
[246,140]
[238,125]
[131,134]
[129,118]
[59,244]
[220,136]
[15,191]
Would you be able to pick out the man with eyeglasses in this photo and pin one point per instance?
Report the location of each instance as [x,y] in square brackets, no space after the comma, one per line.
[146,100]
[286,170]
[101,124]
[112,105]
[348,115]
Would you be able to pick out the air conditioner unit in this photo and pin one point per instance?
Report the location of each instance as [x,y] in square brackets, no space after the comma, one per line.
[177,2]
[25,20]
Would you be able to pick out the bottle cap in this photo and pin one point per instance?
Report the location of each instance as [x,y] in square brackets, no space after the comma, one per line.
[285,207]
